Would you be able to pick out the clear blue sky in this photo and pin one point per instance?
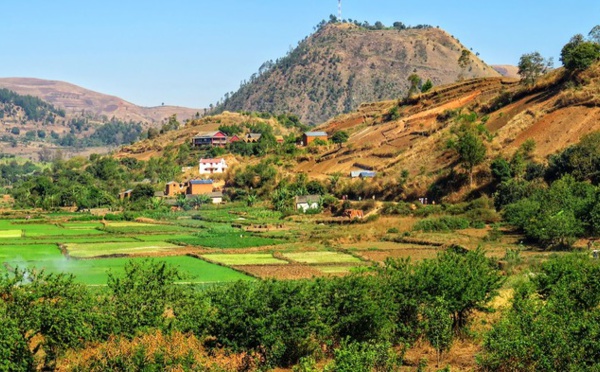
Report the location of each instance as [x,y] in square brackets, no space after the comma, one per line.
[190,52]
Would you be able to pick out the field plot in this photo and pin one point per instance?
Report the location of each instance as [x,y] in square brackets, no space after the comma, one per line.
[161,237]
[335,269]
[82,225]
[40,230]
[245,259]
[228,240]
[282,272]
[6,234]
[95,272]
[321,257]
[17,254]
[90,250]
[142,228]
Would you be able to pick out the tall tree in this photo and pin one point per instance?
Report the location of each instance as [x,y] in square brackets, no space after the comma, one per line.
[532,66]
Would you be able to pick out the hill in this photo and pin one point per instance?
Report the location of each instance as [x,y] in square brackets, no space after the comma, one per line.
[554,113]
[343,65]
[76,100]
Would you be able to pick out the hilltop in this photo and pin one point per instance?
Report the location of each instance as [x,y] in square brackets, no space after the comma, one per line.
[76,100]
[343,65]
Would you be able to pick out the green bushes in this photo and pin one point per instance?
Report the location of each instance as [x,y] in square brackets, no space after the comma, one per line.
[553,323]
[444,223]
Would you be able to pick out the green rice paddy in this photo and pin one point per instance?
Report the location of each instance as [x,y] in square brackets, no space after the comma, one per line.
[10,234]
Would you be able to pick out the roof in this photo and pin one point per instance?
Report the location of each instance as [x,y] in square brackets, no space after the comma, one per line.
[127,191]
[210,161]
[173,182]
[210,134]
[159,194]
[308,199]
[253,135]
[316,134]
[216,194]
[201,182]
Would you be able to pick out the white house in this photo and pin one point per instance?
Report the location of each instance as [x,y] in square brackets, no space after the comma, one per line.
[306,202]
[209,166]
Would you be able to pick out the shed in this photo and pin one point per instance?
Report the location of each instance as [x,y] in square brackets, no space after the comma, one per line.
[306,202]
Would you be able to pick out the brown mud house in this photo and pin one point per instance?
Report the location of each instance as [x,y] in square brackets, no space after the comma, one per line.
[309,137]
[191,187]
[211,139]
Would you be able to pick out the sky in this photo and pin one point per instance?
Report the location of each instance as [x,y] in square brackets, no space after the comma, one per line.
[191,52]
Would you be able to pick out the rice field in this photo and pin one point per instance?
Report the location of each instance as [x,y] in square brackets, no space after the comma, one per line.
[244,259]
[90,250]
[10,234]
[19,254]
[321,257]
[227,240]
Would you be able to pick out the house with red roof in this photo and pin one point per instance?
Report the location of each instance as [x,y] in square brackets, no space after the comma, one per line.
[210,166]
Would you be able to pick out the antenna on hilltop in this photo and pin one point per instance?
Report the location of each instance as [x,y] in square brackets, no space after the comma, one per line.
[339,10]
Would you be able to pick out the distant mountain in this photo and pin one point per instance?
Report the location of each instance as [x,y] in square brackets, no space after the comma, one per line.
[76,100]
[343,65]
[508,71]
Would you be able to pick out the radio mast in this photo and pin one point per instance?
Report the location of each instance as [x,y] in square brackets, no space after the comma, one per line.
[339,10]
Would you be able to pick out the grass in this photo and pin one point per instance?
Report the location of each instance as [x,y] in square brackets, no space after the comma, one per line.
[10,234]
[227,240]
[335,269]
[89,250]
[161,237]
[245,259]
[39,230]
[321,257]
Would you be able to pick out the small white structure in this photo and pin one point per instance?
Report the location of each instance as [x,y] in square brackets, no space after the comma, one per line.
[210,166]
[307,202]
[217,197]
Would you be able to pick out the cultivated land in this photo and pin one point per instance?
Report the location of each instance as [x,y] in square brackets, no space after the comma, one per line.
[222,244]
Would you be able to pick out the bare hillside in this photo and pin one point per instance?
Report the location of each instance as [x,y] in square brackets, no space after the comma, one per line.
[343,65]
[74,100]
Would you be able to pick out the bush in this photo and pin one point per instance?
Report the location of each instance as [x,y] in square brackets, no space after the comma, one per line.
[356,356]
[444,223]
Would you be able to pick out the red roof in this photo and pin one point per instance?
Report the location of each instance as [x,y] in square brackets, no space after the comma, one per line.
[210,161]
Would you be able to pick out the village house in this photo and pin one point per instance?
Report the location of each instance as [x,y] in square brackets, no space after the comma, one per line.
[363,174]
[235,138]
[173,189]
[216,196]
[198,187]
[125,194]
[210,166]
[253,137]
[217,138]
[310,137]
[306,202]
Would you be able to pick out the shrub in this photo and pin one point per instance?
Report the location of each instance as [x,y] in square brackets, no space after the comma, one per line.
[356,356]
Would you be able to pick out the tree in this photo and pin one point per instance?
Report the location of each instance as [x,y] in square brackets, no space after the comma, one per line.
[594,34]
[438,326]
[141,192]
[340,137]
[427,86]
[415,84]
[579,54]
[532,66]
[470,148]
[465,59]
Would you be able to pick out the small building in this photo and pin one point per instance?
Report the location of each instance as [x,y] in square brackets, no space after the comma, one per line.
[173,189]
[354,213]
[125,194]
[253,137]
[306,202]
[363,174]
[279,139]
[198,187]
[217,138]
[210,166]
[310,137]
[216,196]
[235,138]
